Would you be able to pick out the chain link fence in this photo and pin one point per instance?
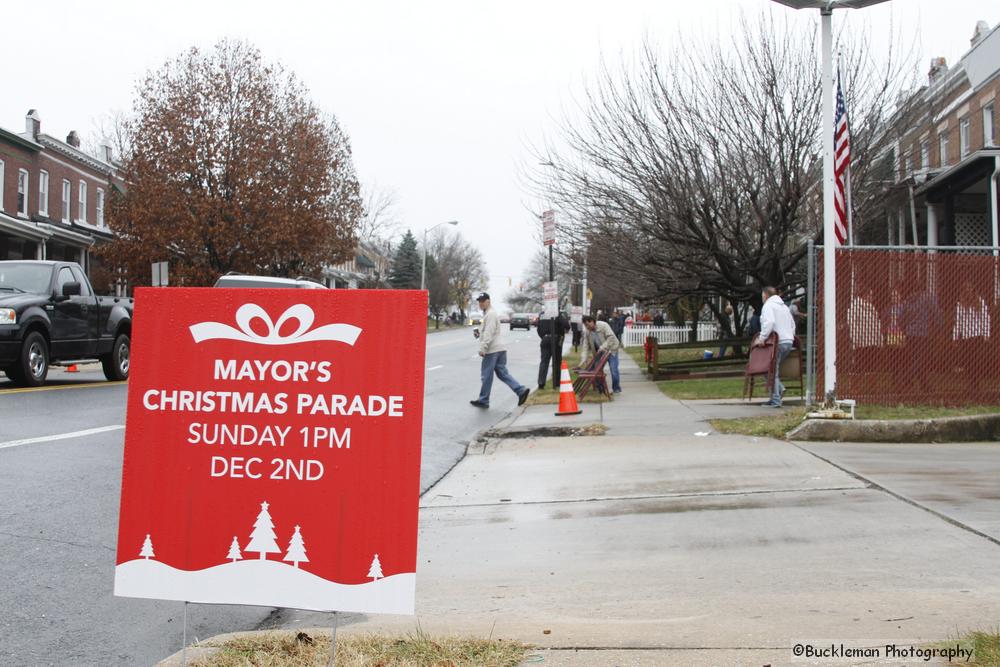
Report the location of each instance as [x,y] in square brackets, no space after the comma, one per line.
[915,326]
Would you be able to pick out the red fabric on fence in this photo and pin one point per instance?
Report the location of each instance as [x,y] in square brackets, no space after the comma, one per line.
[914,328]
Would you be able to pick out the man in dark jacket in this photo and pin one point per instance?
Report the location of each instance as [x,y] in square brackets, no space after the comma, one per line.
[545,347]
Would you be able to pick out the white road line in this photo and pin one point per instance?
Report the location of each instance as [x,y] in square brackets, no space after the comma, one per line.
[61,436]
[434,368]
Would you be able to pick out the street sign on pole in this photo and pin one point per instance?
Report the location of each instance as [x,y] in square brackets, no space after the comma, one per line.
[160,277]
[550,292]
[272,449]
[576,314]
[549,227]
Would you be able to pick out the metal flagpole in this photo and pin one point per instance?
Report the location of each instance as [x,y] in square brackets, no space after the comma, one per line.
[829,233]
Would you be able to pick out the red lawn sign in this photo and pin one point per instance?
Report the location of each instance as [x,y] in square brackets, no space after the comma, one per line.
[272,448]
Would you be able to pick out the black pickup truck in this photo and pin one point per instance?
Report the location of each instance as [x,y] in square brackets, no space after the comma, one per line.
[49,314]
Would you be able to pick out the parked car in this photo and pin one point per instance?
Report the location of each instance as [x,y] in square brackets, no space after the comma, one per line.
[520,321]
[49,315]
[241,280]
[475,319]
[534,319]
[505,318]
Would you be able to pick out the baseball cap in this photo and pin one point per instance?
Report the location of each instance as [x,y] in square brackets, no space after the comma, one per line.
[482,297]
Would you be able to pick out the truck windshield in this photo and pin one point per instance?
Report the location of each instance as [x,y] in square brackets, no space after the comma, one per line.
[17,277]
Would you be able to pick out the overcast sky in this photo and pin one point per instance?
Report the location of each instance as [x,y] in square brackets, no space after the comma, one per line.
[440,99]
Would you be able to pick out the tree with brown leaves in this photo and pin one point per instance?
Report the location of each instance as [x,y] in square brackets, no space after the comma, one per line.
[230,166]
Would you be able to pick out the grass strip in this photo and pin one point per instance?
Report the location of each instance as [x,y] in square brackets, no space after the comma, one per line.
[280,649]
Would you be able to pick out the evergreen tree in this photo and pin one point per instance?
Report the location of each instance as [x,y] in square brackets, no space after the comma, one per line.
[405,270]
[234,551]
[296,550]
[263,539]
[147,549]
[375,571]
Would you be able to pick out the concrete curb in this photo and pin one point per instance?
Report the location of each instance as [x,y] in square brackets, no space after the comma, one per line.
[973,428]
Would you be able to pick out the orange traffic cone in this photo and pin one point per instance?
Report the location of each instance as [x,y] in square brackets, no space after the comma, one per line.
[72,369]
[567,397]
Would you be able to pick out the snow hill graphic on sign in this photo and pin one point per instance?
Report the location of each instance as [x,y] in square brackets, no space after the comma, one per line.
[301,313]
[264,582]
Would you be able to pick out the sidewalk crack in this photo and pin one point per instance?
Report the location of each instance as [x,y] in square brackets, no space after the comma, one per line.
[665,496]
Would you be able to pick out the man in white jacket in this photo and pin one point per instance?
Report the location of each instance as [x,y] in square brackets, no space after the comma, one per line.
[776,318]
[494,354]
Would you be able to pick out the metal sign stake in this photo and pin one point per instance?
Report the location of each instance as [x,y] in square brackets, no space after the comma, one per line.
[333,642]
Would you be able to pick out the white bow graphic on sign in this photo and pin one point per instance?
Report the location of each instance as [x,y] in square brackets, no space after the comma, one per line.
[248,312]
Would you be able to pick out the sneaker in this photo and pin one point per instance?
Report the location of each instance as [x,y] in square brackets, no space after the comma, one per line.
[773,405]
[479,404]
[541,386]
[523,396]
[769,404]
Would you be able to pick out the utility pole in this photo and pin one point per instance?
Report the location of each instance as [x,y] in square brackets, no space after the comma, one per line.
[549,239]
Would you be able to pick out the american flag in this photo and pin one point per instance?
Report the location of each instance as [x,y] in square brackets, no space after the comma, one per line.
[842,169]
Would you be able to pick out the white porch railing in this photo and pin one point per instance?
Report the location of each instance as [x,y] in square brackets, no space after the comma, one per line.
[635,335]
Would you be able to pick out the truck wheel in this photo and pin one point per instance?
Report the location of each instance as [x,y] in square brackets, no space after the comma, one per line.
[32,367]
[116,364]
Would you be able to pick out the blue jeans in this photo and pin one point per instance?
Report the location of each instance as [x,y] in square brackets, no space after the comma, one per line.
[616,384]
[496,362]
[784,347]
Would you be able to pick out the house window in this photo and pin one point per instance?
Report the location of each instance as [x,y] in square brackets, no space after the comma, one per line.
[67,188]
[988,125]
[82,213]
[943,150]
[925,155]
[963,136]
[1,185]
[43,193]
[100,207]
[22,193]
[908,166]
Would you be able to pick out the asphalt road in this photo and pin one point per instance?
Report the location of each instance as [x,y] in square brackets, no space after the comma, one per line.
[60,476]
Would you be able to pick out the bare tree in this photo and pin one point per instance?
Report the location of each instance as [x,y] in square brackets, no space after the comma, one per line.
[695,174]
[381,220]
[459,265]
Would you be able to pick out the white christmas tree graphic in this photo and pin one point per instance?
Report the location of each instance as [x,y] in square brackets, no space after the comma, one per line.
[296,549]
[147,548]
[262,539]
[234,551]
[375,571]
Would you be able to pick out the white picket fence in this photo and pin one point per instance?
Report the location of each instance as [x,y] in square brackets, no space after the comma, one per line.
[635,335]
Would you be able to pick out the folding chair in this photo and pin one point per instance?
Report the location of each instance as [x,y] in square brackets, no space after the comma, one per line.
[593,377]
[761,362]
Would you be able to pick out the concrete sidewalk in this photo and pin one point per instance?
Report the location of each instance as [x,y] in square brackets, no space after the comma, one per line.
[656,546]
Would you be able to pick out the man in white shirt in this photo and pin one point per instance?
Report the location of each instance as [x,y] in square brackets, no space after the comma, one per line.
[494,354]
[776,318]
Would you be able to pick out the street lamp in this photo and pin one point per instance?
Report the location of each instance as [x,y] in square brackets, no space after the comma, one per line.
[423,260]
[826,8]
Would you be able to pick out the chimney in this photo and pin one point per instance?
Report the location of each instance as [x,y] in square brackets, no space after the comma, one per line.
[32,124]
[982,29]
[73,139]
[938,67]
[106,154]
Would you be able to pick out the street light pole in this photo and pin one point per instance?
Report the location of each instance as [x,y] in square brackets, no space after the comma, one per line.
[423,255]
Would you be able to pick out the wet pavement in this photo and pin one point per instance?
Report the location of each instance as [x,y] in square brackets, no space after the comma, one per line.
[656,545]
